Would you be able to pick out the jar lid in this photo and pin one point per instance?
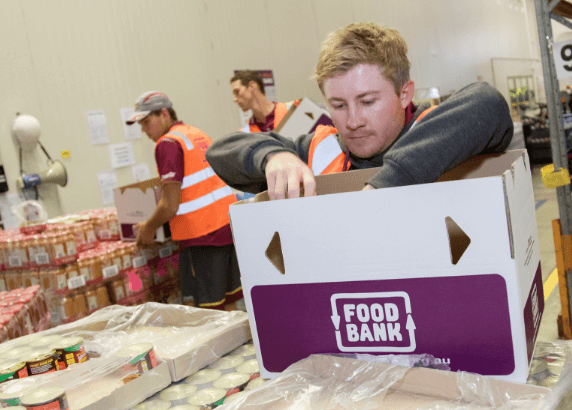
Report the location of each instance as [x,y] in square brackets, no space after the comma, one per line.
[42,396]
[153,405]
[206,396]
[135,350]
[178,392]
[203,376]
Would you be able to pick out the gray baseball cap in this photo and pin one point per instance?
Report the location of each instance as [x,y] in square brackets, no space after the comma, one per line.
[147,102]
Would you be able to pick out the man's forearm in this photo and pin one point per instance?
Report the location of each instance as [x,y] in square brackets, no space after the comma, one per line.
[161,216]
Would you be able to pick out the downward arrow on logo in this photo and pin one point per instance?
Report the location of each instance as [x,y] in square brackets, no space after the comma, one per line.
[336,320]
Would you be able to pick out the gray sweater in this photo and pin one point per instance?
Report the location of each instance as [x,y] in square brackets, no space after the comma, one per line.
[473,121]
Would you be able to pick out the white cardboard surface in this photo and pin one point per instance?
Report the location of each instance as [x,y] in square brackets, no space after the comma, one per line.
[401,233]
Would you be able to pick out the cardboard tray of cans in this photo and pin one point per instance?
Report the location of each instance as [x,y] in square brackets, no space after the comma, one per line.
[223,381]
[186,338]
[117,381]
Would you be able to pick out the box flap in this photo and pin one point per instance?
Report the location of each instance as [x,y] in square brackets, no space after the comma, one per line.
[483,166]
[143,185]
[494,165]
[303,119]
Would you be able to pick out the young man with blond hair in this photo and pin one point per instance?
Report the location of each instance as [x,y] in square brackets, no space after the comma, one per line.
[363,73]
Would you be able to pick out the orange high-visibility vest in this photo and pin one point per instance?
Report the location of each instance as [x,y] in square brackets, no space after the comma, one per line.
[326,156]
[205,198]
[279,112]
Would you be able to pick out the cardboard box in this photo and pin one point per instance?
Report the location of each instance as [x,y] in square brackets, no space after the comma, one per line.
[341,383]
[136,203]
[303,119]
[450,269]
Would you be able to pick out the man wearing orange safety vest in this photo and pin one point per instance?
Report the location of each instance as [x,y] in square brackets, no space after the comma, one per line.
[249,94]
[195,201]
[363,73]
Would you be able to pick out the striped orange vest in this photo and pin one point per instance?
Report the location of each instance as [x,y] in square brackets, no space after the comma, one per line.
[326,156]
[279,113]
[205,198]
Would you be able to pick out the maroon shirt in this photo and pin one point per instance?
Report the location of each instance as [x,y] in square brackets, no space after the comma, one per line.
[171,166]
[409,112]
[268,124]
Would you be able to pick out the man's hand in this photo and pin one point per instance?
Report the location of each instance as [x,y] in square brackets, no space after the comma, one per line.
[145,236]
[284,173]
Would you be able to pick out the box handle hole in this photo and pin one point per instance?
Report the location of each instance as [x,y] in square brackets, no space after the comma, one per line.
[274,253]
[458,240]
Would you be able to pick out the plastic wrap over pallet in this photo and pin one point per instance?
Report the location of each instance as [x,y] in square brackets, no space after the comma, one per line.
[187,338]
[340,383]
[183,340]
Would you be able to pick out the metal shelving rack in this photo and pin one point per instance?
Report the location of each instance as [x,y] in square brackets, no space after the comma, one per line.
[546,11]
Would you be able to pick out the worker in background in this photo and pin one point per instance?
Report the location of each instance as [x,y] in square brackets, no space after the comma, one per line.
[195,203]
[363,73]
[248,91]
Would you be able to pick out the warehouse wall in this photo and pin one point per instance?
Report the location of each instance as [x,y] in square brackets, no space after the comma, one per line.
[66,57]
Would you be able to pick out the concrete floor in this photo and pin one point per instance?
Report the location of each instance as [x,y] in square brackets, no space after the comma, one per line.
[546,211]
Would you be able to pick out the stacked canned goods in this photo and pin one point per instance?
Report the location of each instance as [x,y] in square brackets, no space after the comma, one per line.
[547,364]
[221,382]
[22,311]
[82,265]
[39,355]
[25,394]
[11,395]
[140,357]
[106,226]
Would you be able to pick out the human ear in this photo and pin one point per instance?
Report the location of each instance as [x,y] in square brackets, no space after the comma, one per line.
[407,93]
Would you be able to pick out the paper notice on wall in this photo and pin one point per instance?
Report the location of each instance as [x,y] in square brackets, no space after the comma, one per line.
[121,155]
[97,127]
[132,131]
[107,181]
[8,218]
[140,172]
[269,84]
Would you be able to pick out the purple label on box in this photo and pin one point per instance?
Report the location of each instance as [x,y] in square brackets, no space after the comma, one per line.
[533,312]
[462,321]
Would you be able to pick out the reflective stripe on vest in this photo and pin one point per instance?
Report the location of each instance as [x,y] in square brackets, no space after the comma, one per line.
[423,114]
[204,201]
[205,198]
[197,177]
[188,142]
[325,153]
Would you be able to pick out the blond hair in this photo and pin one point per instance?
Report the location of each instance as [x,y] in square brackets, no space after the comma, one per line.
[364,43]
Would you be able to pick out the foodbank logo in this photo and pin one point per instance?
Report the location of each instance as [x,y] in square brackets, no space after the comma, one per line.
[373,322]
